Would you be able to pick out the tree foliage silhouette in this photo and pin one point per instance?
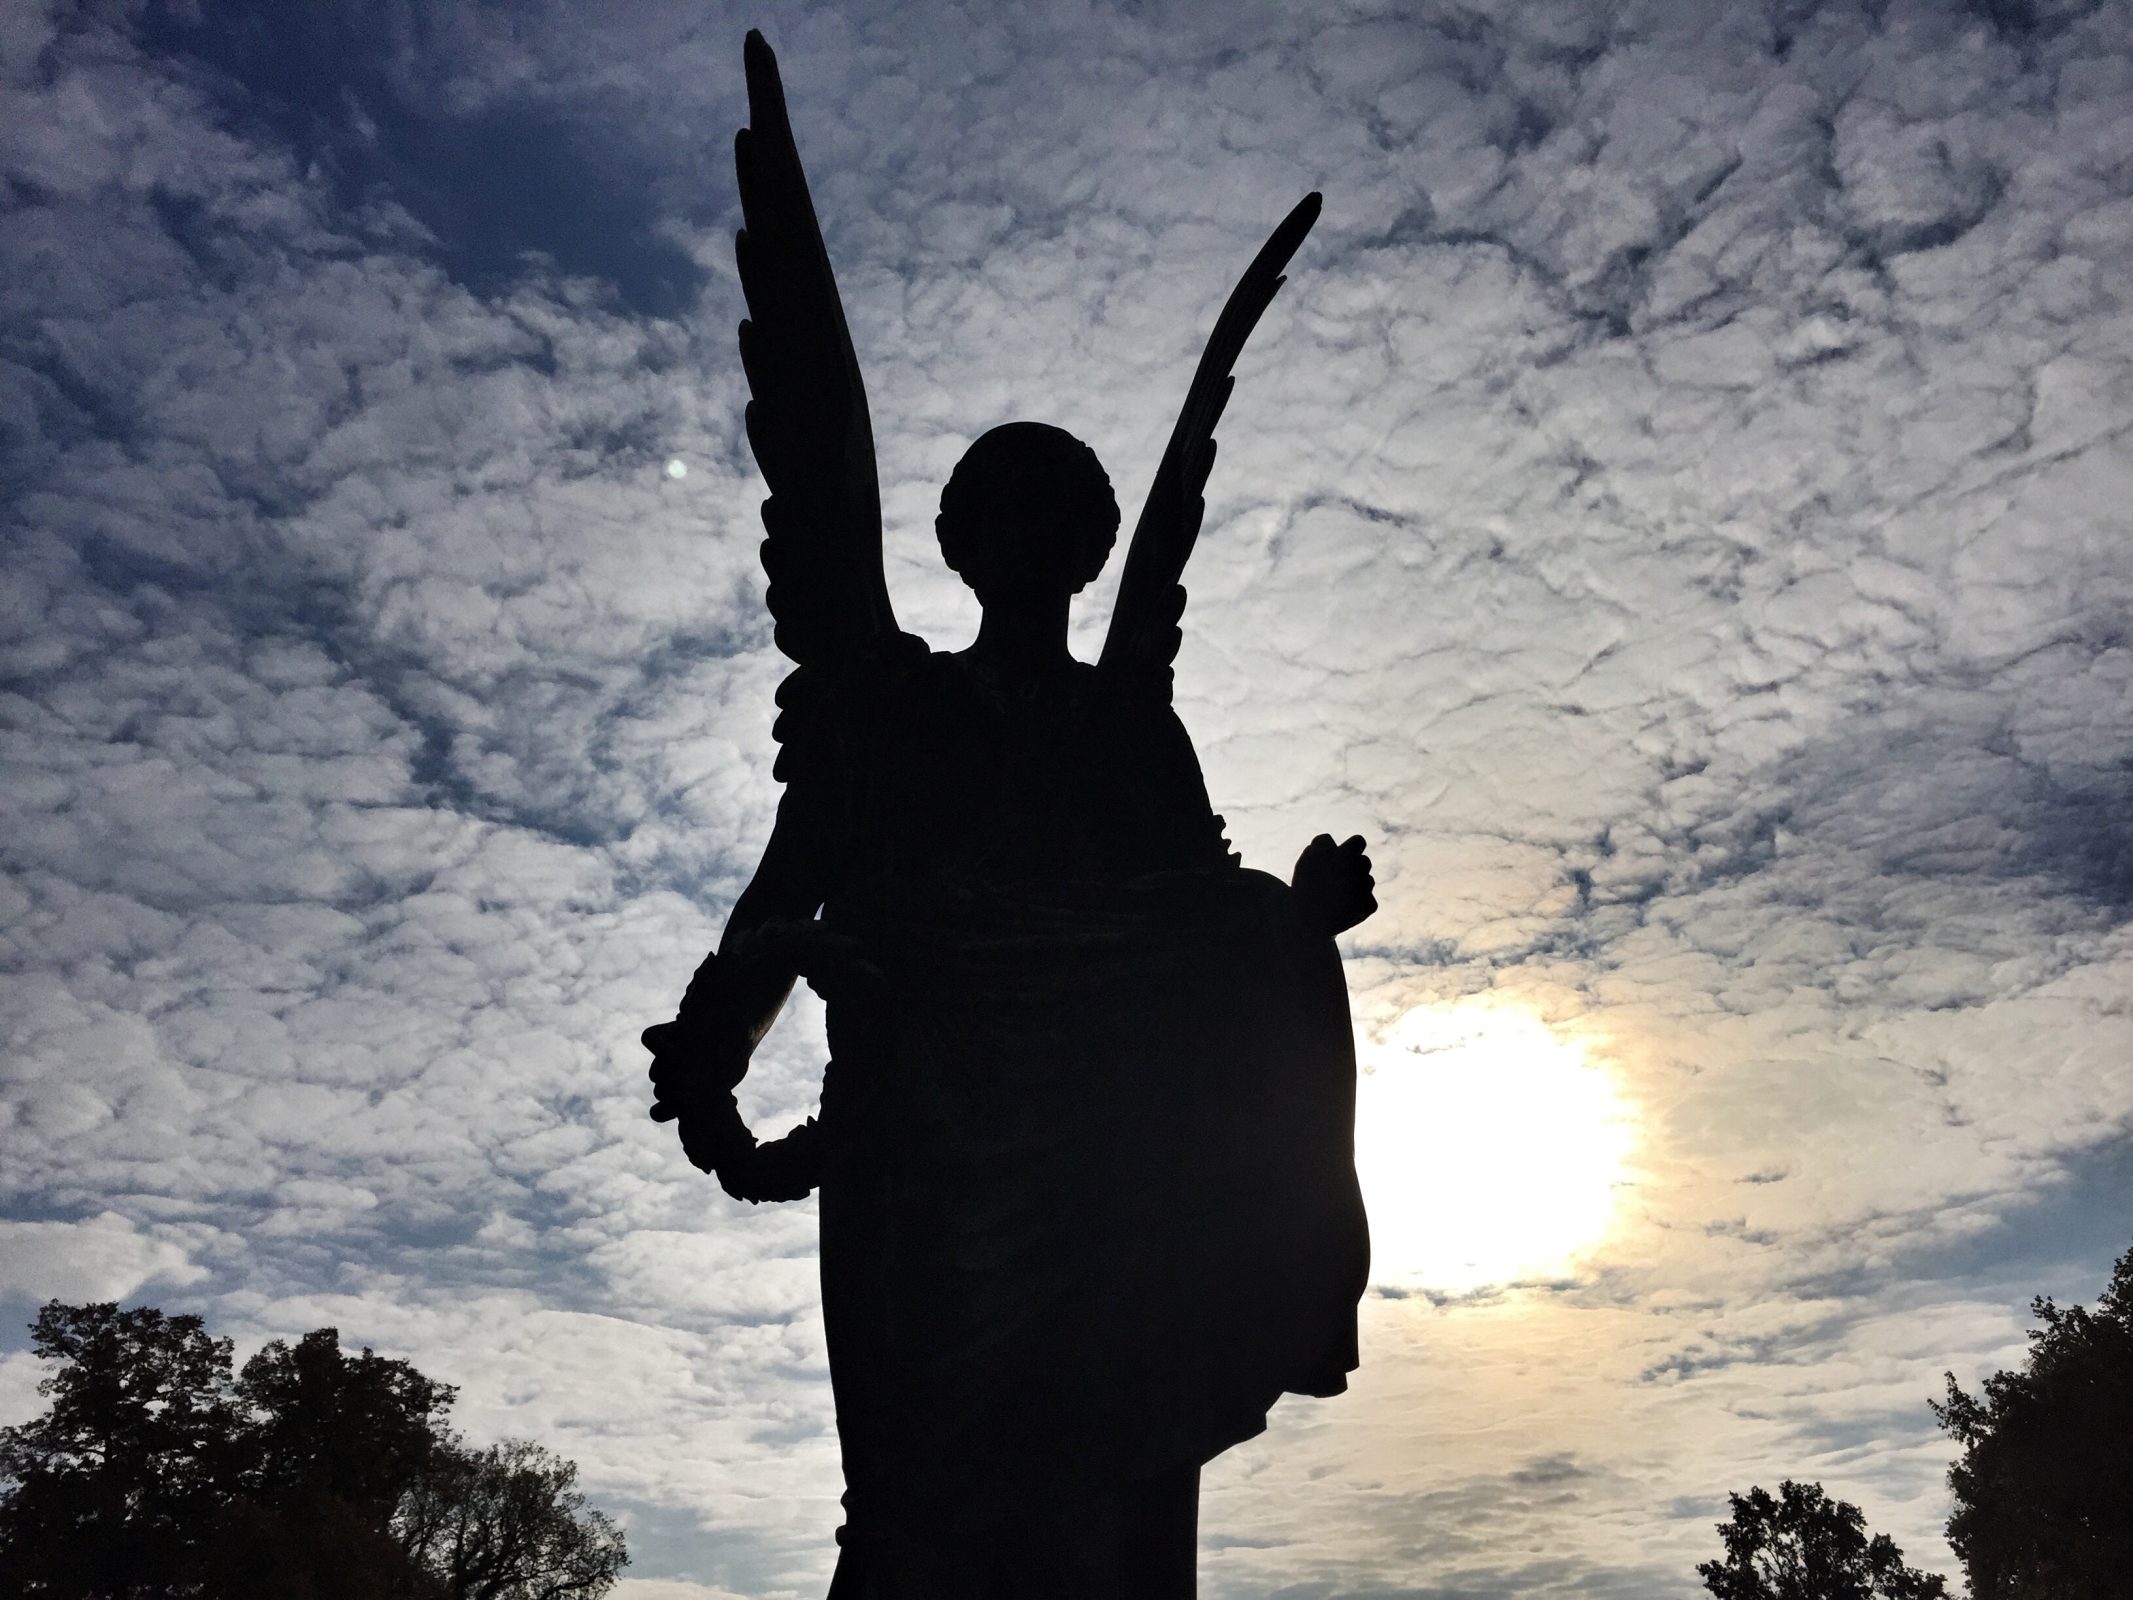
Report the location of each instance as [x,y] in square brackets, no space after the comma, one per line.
[2044,1486]
[119,1485]
[508,1523]
[325,1425]
[313,1475]
[1802,1545]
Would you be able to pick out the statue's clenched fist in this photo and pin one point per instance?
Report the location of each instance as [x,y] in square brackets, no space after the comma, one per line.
[1332,889]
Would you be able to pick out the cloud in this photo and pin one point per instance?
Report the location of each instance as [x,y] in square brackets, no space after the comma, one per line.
[105,1257]
[1674,510]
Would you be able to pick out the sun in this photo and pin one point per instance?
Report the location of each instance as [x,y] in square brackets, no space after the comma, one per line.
[1490,1148]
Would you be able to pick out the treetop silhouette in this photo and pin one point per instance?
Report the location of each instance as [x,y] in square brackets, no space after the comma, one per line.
[312,1475]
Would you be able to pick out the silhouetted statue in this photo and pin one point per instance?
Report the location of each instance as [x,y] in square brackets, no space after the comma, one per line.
[1085,1148]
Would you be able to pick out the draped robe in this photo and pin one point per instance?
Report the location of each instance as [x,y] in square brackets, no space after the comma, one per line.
[1088,1198]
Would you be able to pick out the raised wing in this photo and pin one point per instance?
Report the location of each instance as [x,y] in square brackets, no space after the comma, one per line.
[1144,635]
[808,420]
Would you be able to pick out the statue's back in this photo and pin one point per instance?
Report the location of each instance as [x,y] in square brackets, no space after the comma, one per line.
[1089,1205]
[943,770]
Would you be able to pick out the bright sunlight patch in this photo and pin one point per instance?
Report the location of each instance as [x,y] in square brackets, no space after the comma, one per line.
[1490,1148]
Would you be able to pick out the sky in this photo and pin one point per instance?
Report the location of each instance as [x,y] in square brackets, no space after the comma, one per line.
[1675,511]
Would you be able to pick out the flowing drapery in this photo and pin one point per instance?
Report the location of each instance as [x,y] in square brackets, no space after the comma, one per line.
[1090,1203]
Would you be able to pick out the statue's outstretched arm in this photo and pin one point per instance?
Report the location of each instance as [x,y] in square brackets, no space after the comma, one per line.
[736,994]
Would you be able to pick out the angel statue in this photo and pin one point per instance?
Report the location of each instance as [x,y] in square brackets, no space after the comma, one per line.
[1085,1142]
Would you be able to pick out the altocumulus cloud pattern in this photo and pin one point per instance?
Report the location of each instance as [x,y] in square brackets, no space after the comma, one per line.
[1676,511]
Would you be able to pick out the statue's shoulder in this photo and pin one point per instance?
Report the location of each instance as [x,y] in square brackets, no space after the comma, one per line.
[820,707]
[958,682]
[921,684]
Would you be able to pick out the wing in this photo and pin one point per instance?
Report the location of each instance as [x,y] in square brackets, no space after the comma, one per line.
[807,422]
[1144,635]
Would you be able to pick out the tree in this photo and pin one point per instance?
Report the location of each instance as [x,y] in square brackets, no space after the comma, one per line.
[2044,1485]
[314,1475]
[329,1551]
[114,1490]
[330,1444]
[1805,1546]
[508,1523]
[329,1426]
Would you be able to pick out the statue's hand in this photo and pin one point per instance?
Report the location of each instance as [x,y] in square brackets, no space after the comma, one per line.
[1332,889]
[690,1067]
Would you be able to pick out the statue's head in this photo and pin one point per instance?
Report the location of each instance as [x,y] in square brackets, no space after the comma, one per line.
[1028,509]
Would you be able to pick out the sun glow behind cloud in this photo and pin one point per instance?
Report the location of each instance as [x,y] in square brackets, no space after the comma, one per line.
[1490,1148]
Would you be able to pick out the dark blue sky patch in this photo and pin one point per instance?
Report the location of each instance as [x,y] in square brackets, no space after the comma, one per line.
[2082,833]
[45,405]
[2061,1242]
[502,189]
